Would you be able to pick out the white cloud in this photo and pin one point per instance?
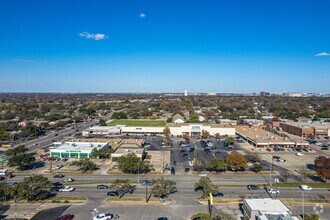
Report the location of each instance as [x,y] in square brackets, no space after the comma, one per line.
[97,36]
[24,61]
[323,54]
[142,15]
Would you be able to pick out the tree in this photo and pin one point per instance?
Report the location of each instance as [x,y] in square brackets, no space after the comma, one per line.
[4,135]
[119,115]
[130,163]
[102,153]
[256,167]
[205,134]
[236,161]
[205,184]
[230,140]
[216,164]
[31,187]
[162,187]
[323,173]
[14,151]
[21,160]
[4,190]
[122,187]
[217,136]
[102,122]
[84,164]
[167,133]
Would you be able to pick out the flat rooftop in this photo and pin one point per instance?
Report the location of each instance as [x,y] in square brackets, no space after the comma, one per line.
[309,124]
[262,136]
[267,205]
[81,146]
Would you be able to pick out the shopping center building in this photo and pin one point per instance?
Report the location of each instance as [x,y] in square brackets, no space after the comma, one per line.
[77,149]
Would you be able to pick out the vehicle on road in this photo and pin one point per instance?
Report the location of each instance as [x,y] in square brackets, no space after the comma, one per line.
[145,182]
[299,154]
[58,176]
[112,193]
[217,194]
[104,216]
[162,218]
[305,187]
[202,174]
[186,170]
[276,157]
[65,217]
[273,191]
[252,187]
[67,189]
[68,180]
[102,186]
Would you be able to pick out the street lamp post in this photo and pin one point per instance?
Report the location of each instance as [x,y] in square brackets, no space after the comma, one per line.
[303,204]
[138,172]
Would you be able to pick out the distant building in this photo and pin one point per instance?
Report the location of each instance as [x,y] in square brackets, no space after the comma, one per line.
[305,129]
[262,93]
[185,93]
[98,131]
[177,118]
[266,209]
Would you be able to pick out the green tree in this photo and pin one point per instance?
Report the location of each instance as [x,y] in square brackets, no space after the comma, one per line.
[130,163]
[206,186]
[162,187]
[122,187]
[217,136]
[119,115]
[4,191]
[84,164]
[102,122]
[236,161]
[4,135]
[256,167]
[21,160]
[230,140]
[31,187]
[14,151]
[102,153]
[216,164]
[167,134]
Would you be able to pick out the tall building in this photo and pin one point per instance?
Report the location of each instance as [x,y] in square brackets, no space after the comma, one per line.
[185,93]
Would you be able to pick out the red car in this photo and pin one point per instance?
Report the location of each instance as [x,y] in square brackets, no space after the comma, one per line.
[269,150]
[65,217]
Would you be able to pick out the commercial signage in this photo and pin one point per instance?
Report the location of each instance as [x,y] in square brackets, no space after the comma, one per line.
[73,151]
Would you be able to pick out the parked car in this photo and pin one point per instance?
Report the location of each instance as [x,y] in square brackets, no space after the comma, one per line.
[65,217]
[252,187]
[58,176]
[305,187]
[67,189]
[102,186]
[202,174]
[280,160]
[299,154]
[276,157]
[324,148]
[112,193]
[68,180]
[162,218]
[186,170]
[104,216]
[273,191]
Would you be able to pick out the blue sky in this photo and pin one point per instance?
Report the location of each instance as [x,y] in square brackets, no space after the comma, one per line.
[164,46]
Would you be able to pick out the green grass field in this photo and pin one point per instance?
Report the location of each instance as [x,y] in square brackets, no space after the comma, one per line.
[150,123]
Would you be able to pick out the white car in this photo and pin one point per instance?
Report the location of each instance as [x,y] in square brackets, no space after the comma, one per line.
[299,154]
[59,166]
[305,187]
[67,189]
[104,216]
[202,174]
[273,191]
[68,180]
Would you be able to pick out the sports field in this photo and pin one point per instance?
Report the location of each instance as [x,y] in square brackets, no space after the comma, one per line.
[150,123]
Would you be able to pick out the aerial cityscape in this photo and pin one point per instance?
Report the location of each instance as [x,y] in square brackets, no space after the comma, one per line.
[164,110]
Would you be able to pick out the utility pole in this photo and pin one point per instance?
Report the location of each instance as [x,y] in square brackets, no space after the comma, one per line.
[51,163]
[147,193]
[303,204]
[138,172]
